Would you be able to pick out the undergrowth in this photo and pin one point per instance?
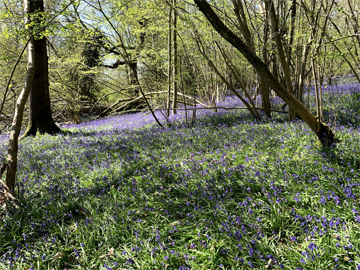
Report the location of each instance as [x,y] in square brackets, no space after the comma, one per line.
[226,193]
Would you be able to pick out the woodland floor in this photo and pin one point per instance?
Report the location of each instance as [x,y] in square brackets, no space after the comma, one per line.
[224,193]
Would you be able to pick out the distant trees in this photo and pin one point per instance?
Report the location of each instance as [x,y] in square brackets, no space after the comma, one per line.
[165,55]
[285,91]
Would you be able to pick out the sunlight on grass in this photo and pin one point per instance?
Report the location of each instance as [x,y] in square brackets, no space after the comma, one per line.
[226,193]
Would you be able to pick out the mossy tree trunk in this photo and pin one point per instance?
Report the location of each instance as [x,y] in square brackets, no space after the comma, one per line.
[40,118]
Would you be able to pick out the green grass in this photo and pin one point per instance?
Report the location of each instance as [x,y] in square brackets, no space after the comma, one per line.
[224,194]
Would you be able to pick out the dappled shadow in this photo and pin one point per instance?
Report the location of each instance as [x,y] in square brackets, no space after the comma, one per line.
[348,162]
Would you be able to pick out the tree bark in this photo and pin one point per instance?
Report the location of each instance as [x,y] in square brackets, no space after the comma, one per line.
[175,54]
[168,99]
[245,31]
[18,116]
[284,62]
[40,118]
[323,132]
[133,64]
[87,84]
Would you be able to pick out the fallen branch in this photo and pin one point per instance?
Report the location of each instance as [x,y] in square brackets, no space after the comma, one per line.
[129,102]
[225,108]
[191,98]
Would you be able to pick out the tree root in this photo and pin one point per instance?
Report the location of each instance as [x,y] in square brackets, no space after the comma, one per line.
[5,194]
[326,136]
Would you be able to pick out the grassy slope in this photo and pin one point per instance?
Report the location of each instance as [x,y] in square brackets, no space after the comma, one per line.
[225,194]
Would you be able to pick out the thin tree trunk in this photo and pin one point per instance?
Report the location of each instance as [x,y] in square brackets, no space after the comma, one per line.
[265,89]
[175,55]
[237,75]
[168,100]
[309,91]
[265,96]
[321,78]
[244,28]
[18,115]
[280,49]
[279,44]
[183,90]
[212,65]
[318,110]
[134,76]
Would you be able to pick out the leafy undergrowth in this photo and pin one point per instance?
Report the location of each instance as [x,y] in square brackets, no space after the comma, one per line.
[226,193]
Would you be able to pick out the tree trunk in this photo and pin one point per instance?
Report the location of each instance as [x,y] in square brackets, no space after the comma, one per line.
[317,95]
[265,96]
[322,131]
[88,87]
[280,50]
[133,65]
[168,99]
[40,118]
[175,65]
[18,116]
[248,36]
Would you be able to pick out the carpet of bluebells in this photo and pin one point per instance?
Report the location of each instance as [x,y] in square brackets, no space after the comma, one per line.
[223,193]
